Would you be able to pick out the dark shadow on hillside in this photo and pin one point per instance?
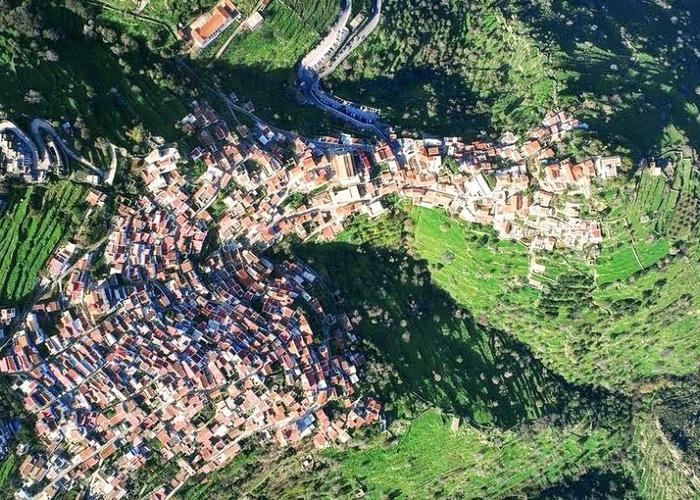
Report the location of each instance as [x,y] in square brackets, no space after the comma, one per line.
[419,100]
[647,87]
[678,412]
[273,93]
[597,483]
[436,351]
[78,66]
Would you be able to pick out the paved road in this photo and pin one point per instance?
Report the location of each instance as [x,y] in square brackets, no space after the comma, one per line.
[308,80]
[344,51]
[38,125]
[6,125]
[327,46]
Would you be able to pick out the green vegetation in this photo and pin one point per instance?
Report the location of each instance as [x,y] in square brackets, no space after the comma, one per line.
[597,483]
[173,12]
[226,481]
[614,335]
[67,61]
[33,224]
[476,464]
[155,472]
[422,458]
[643,228]
[443,67]
[660,470]
[6,468]
[260,66]
[632,78]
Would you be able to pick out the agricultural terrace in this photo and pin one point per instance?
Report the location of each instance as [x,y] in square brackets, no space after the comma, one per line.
[615,63]
[474,463]
[613,334]
[33,223]
[640,230]
[658,467]
[422,458]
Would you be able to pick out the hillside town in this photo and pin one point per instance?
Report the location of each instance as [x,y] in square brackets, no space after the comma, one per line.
[512,186]
[184,348]
[181,359]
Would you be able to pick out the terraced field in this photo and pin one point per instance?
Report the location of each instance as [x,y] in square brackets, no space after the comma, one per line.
[422,458]
[32,226]
[614,334]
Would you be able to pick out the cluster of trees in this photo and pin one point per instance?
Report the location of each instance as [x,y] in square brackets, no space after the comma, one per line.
[21,18]
[568,296]
[129,69]
[678,412]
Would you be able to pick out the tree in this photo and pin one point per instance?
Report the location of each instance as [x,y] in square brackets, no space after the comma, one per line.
[137,133]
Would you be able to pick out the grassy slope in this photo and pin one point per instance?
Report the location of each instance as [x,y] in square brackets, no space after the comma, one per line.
[475,464]
[444,68]
[260,66]
[439,67]
[615,336]
[424,459]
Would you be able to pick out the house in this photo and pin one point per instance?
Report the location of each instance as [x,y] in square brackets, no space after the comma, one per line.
[606,166]
[207,27]
[254,21]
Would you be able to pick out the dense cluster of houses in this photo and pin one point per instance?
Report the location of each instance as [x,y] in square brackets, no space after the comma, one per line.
[181,359]
[512,186]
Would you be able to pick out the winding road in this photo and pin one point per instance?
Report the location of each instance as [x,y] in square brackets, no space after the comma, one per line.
[38,125]
[309,76]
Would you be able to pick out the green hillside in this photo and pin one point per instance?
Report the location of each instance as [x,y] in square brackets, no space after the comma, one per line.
[66,62]
[628,67]
[620,320]
[521,427]
[33,224]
